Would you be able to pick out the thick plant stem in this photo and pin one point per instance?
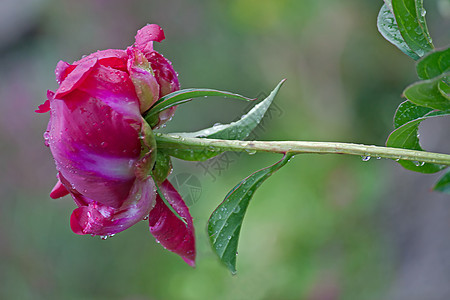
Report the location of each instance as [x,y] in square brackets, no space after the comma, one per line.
[169,141]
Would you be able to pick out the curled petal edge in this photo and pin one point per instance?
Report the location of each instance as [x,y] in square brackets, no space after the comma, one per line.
[147,35]
[98,219]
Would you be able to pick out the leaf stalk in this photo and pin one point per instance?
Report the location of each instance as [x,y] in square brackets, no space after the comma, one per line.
[169,141]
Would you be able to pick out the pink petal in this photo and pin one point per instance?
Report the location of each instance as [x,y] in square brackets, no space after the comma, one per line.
[113,58]
[75,78]
[43,108]
[170,231]
[62,70]
[94,147]
[164,73]
[99,219]
[114,88]
[58,191]
[146,35]
[168,82]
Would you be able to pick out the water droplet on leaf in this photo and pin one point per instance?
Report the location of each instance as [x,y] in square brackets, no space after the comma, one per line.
[250,151]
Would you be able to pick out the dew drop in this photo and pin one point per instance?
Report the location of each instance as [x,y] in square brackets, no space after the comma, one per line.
[418,163]
[250,151]
[46,138]
[365,158]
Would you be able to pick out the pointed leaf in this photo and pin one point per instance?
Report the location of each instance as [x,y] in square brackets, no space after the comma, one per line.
[225,223]
[434,64]
[410,17]
[408,111]
[429,93]
[406,137]
[238,130]
[388,28]
[444,89]
[186,95]
[443,185]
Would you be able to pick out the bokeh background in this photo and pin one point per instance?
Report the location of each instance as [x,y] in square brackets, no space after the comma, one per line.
[323,228]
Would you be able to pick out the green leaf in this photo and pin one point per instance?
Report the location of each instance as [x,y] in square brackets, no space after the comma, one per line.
[434,64]
[225,223]
[182,96]
[410,17]
[238,130]
[429,93]
[406,137]
[408,111]
[443,185]
[388,28]
[444,89]
[162,167]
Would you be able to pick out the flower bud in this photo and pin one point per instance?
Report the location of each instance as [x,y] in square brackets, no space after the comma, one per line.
[103,148]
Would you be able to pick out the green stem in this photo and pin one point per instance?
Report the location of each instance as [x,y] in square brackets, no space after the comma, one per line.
[169,141]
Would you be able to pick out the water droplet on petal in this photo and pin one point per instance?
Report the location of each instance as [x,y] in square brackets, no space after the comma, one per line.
[46,138]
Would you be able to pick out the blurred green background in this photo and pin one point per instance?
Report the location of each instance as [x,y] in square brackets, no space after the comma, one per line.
[322,228]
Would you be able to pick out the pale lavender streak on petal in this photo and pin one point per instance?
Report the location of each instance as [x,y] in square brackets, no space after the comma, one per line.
[97,161]
[107,180]
[100,219]
[107,167]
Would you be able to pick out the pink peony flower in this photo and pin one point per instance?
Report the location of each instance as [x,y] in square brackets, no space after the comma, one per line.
[103,148]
